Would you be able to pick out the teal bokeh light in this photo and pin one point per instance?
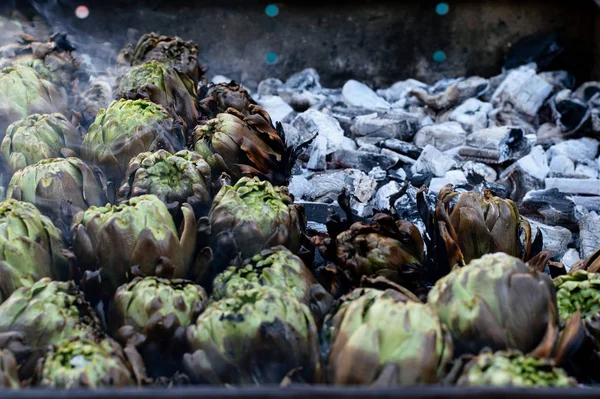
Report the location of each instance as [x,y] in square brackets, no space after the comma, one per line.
[442,8]
[271,58]
[439,56]
[272,10]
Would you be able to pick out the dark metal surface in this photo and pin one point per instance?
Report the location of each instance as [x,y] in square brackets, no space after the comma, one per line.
[312,393]
[378,42]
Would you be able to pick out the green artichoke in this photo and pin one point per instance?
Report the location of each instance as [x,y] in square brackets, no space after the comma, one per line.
[82,363]
[38,137]
[219,97]
[513,369]
[60,187]
[385,338]
[255,337]
[579,291]
[31,247]
[153,313]
[127,128]
[24,92]
[53,59]
[168,50]
[279,268]
[176,179]
[497,301]
[137,237]
[250,216]
[9,377]
[243,145]
[161,84]
[49,312]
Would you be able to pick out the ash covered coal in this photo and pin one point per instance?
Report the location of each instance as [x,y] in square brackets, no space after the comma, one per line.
[157,230]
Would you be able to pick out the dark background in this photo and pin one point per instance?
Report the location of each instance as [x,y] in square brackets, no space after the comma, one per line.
[378,42]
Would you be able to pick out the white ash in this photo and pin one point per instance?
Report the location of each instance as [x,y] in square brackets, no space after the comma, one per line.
[432,161]
[589,234]
[443,136]
[473,114]
[357,94]
[570,258]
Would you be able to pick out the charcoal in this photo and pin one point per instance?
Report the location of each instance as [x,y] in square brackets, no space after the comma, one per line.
[524,90]
[402,147]
[397,174]
[357,94]
[590,203]
[560,80]
[574,186]
[496,145]
[449,93]
[381,199]
[399,125]
[587,92]
[377,174]
[317,154]
[518,182]
[432,161]
[548,134]
[400,91]
[318,212]
[535,163]
[406,207]
[508,116]
[302,90]
[269,87]
[589,234]
[577,149]
[570,258]
[217,79]
[369,148]
[562,165]
[541,48]
[569,114]
[442,136]
[307,79]
[556,238]
[480,169]
[278,109]
[472,115]
[589,171]
[553,206]
[326,186]
[455,177]
[363,160]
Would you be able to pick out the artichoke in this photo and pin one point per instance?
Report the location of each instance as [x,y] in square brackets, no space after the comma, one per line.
[176,179]
[137,237]
[53,59]
[250,216]
[60,187]
[24,92]
[385,338]
[162,85]
[9,377]
[81,363]
[31,247]
[579,291]
[513,369]
[153,313]
[497,301]
[38,137]
[474,226]
[89,103]
[278,268]
[255,337]
[127,128]
[387,247]
[168,50]
[49,312]
[244,145]
[219,97]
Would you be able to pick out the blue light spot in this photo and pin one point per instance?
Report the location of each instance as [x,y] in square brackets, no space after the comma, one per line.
[442,8]
[272,10]
[271,58]
[439,56]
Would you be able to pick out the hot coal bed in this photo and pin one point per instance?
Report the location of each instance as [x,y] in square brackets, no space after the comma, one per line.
[164,226]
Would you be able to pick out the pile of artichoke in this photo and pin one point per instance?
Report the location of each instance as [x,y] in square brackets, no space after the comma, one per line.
[148,237]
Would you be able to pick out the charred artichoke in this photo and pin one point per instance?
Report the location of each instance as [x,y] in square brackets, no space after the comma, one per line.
[176,179]
[168,50]
[513,369]
[137,237]
[81,363]
[219,97]
[474,226]
[60,187]
[277,268]
[24,92]
[244,145]
[254,337]
[162,85]
[250,216]
[127,128]
[9,377]
[54,59]
[30,247]
[38,137]
[497,301]
[385,338]
[49,312]
[152,314]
